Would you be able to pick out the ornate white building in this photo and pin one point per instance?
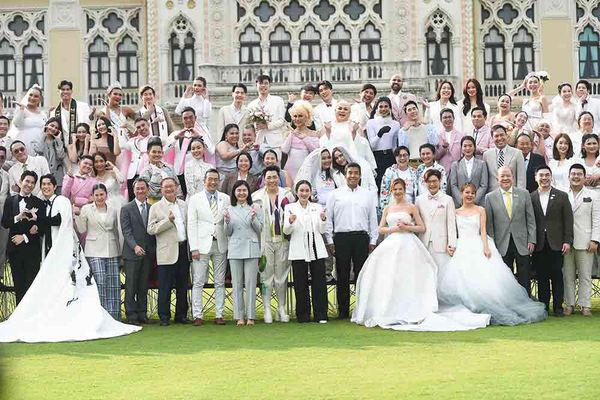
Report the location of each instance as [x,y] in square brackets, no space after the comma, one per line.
[168,42]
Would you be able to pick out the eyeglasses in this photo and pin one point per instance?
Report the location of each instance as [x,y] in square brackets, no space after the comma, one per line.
[19,150]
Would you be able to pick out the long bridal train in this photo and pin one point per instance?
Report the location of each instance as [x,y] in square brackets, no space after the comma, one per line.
[62,304]
[396,288]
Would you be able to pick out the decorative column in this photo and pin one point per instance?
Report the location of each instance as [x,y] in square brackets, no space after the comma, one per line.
[508,65]
[112,56]
[65,46]
[19,75]
[355,49]
[154,68]
[264,45]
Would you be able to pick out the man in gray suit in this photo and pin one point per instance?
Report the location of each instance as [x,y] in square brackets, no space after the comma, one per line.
[504,155]
[468,170]
[139,252]
[511,223]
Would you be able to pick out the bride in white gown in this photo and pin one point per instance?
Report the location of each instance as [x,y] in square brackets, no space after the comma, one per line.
[477,278]
[396,288]
[62,304]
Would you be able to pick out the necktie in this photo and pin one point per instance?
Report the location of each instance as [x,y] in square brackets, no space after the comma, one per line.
[475,133]
[144,212]
[24,167]
[213,207]
[508,203]
[500,158]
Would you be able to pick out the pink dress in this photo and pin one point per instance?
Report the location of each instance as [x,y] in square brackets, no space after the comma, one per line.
[297,150]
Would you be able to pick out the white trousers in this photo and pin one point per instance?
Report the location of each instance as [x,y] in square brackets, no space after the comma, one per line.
[440,258]
[275,275]
[200,278]
[577,264]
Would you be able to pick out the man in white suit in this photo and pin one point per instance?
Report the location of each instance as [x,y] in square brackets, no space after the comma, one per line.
[208,242]
[234,113]
[504,155]
[273,131]
[438,213]
[579,260]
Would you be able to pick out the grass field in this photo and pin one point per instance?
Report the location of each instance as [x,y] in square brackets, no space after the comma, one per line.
[548,360]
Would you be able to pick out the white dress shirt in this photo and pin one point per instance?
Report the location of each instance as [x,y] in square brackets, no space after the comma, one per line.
[324,113]
[544,198]
[469,165]
[351,210]
[37,164]
[178,221]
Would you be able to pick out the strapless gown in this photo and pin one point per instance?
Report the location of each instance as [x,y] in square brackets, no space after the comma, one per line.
[396,288]
[484,285]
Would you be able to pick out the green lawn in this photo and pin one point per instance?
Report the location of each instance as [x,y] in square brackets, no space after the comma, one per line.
[308,361]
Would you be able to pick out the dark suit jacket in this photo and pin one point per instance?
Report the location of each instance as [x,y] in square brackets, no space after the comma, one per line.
[11,210]
[535,160]
[135,232]
[557,224]
[231,179]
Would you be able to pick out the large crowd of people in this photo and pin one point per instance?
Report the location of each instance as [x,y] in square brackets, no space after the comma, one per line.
[411,199]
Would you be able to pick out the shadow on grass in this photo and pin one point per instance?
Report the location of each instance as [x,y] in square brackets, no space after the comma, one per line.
[154,340]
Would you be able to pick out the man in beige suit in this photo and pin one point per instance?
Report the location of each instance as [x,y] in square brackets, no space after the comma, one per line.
[578,261]
[208,242]
[438,213]
[503,155]
[234,113]
[167,221]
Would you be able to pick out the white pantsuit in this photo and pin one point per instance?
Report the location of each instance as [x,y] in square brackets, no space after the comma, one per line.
[578,262]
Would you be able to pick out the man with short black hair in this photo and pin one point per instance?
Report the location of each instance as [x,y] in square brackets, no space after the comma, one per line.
[351,231]
[361,111]
[22,215]
[234,113]
[25,162]
[504,155]
[481,131]
[69,111]
[325,111]
[272,131]
[139,253]
[554,238]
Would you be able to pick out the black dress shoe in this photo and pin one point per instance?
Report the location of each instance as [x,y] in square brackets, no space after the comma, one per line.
[132,321]
[144,321]
[165,323]
[343,316]
[182,321]
[559,313]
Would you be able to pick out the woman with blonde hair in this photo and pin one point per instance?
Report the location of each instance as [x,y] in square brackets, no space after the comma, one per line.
[302,140]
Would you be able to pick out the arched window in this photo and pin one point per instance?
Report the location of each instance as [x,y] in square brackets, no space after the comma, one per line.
[370,44]
[250,47]
[589,49]
[280,49]
[8,75]
[33,69]
[522,54]
[99,64]
[182,59]
[438,51]
[494,68]
[310,45]
[339,44]
[127,65]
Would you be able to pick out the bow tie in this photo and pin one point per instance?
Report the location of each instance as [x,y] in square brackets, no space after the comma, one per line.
[47,203]
[328,105]
[584,102]
[433,196]
[80,177]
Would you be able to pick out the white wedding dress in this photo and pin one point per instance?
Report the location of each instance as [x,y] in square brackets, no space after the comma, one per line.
[58,308]
[396,288]
[484,285]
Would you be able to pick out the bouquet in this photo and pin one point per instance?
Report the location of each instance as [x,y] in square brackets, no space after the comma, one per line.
[258,115]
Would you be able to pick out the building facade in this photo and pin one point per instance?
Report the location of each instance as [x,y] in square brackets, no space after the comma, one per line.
[167,42]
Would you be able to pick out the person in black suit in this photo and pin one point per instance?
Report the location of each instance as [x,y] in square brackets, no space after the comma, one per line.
[139,253]
[23,215]
[532,161]
[554,238]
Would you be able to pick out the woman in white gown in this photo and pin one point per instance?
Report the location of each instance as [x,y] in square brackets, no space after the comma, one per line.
[29,120]
[62,304]
[477,278]
[396,288]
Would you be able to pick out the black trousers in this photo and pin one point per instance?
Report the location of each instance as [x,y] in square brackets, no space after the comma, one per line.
[24,268]
[136,286]
[351,248]
[177,275]
[182,184]
[548,264]
[384,159]
[523,264]
[318,287]
[130,187]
